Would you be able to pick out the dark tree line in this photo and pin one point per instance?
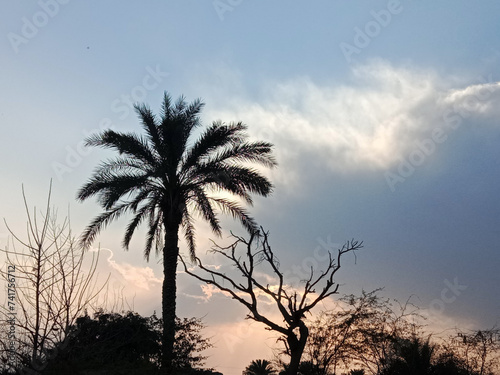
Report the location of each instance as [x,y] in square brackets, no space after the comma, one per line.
[370,335]
[126,343]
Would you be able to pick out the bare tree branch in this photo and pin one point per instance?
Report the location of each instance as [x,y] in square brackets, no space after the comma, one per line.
[53,285]
[290,302]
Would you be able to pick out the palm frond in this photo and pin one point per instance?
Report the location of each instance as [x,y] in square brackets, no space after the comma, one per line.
[122,164]
[237,180]
[215,136]
[204,206]
[220,179]
[129,144]
[180,105]
[191,114]
[166,106]
[248,179]
[154,231]
[254,152]
[139,217]
[237,212]
[148,120]
[111,187]
[99,223]
[189,233]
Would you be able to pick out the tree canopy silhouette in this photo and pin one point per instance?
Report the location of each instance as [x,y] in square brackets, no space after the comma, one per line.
[129,343]
[259,367]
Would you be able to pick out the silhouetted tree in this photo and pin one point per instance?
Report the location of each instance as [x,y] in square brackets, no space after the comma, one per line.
[129,344]
[450,364]
[331,341]
[410,357]
[419,356]
[382,338]
[162,180]
[111,343]
[259,367]
[478,352]
[189,343]
[308,368]
[49,287]
[361,331]
[291,303]
[305,368]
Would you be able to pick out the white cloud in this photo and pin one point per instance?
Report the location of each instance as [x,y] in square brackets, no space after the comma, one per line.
[370,124]
[208,291]
[475,100]
[129,287]
[140,277]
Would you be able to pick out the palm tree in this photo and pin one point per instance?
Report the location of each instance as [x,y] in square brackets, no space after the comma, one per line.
[162,179]
[259,367]
[412,356]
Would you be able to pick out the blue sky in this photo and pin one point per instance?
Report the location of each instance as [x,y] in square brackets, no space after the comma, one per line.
[394,142]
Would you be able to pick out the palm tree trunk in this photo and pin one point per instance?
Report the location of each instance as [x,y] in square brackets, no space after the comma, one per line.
[170,254]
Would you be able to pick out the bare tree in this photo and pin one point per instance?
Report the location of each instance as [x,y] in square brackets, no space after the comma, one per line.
[51,286]
[362,332]
[477,351]
[291,303]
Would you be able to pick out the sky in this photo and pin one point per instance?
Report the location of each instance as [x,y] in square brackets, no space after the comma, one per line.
[385,116]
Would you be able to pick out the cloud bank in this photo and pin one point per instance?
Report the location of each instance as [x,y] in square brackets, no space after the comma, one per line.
[374,123]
